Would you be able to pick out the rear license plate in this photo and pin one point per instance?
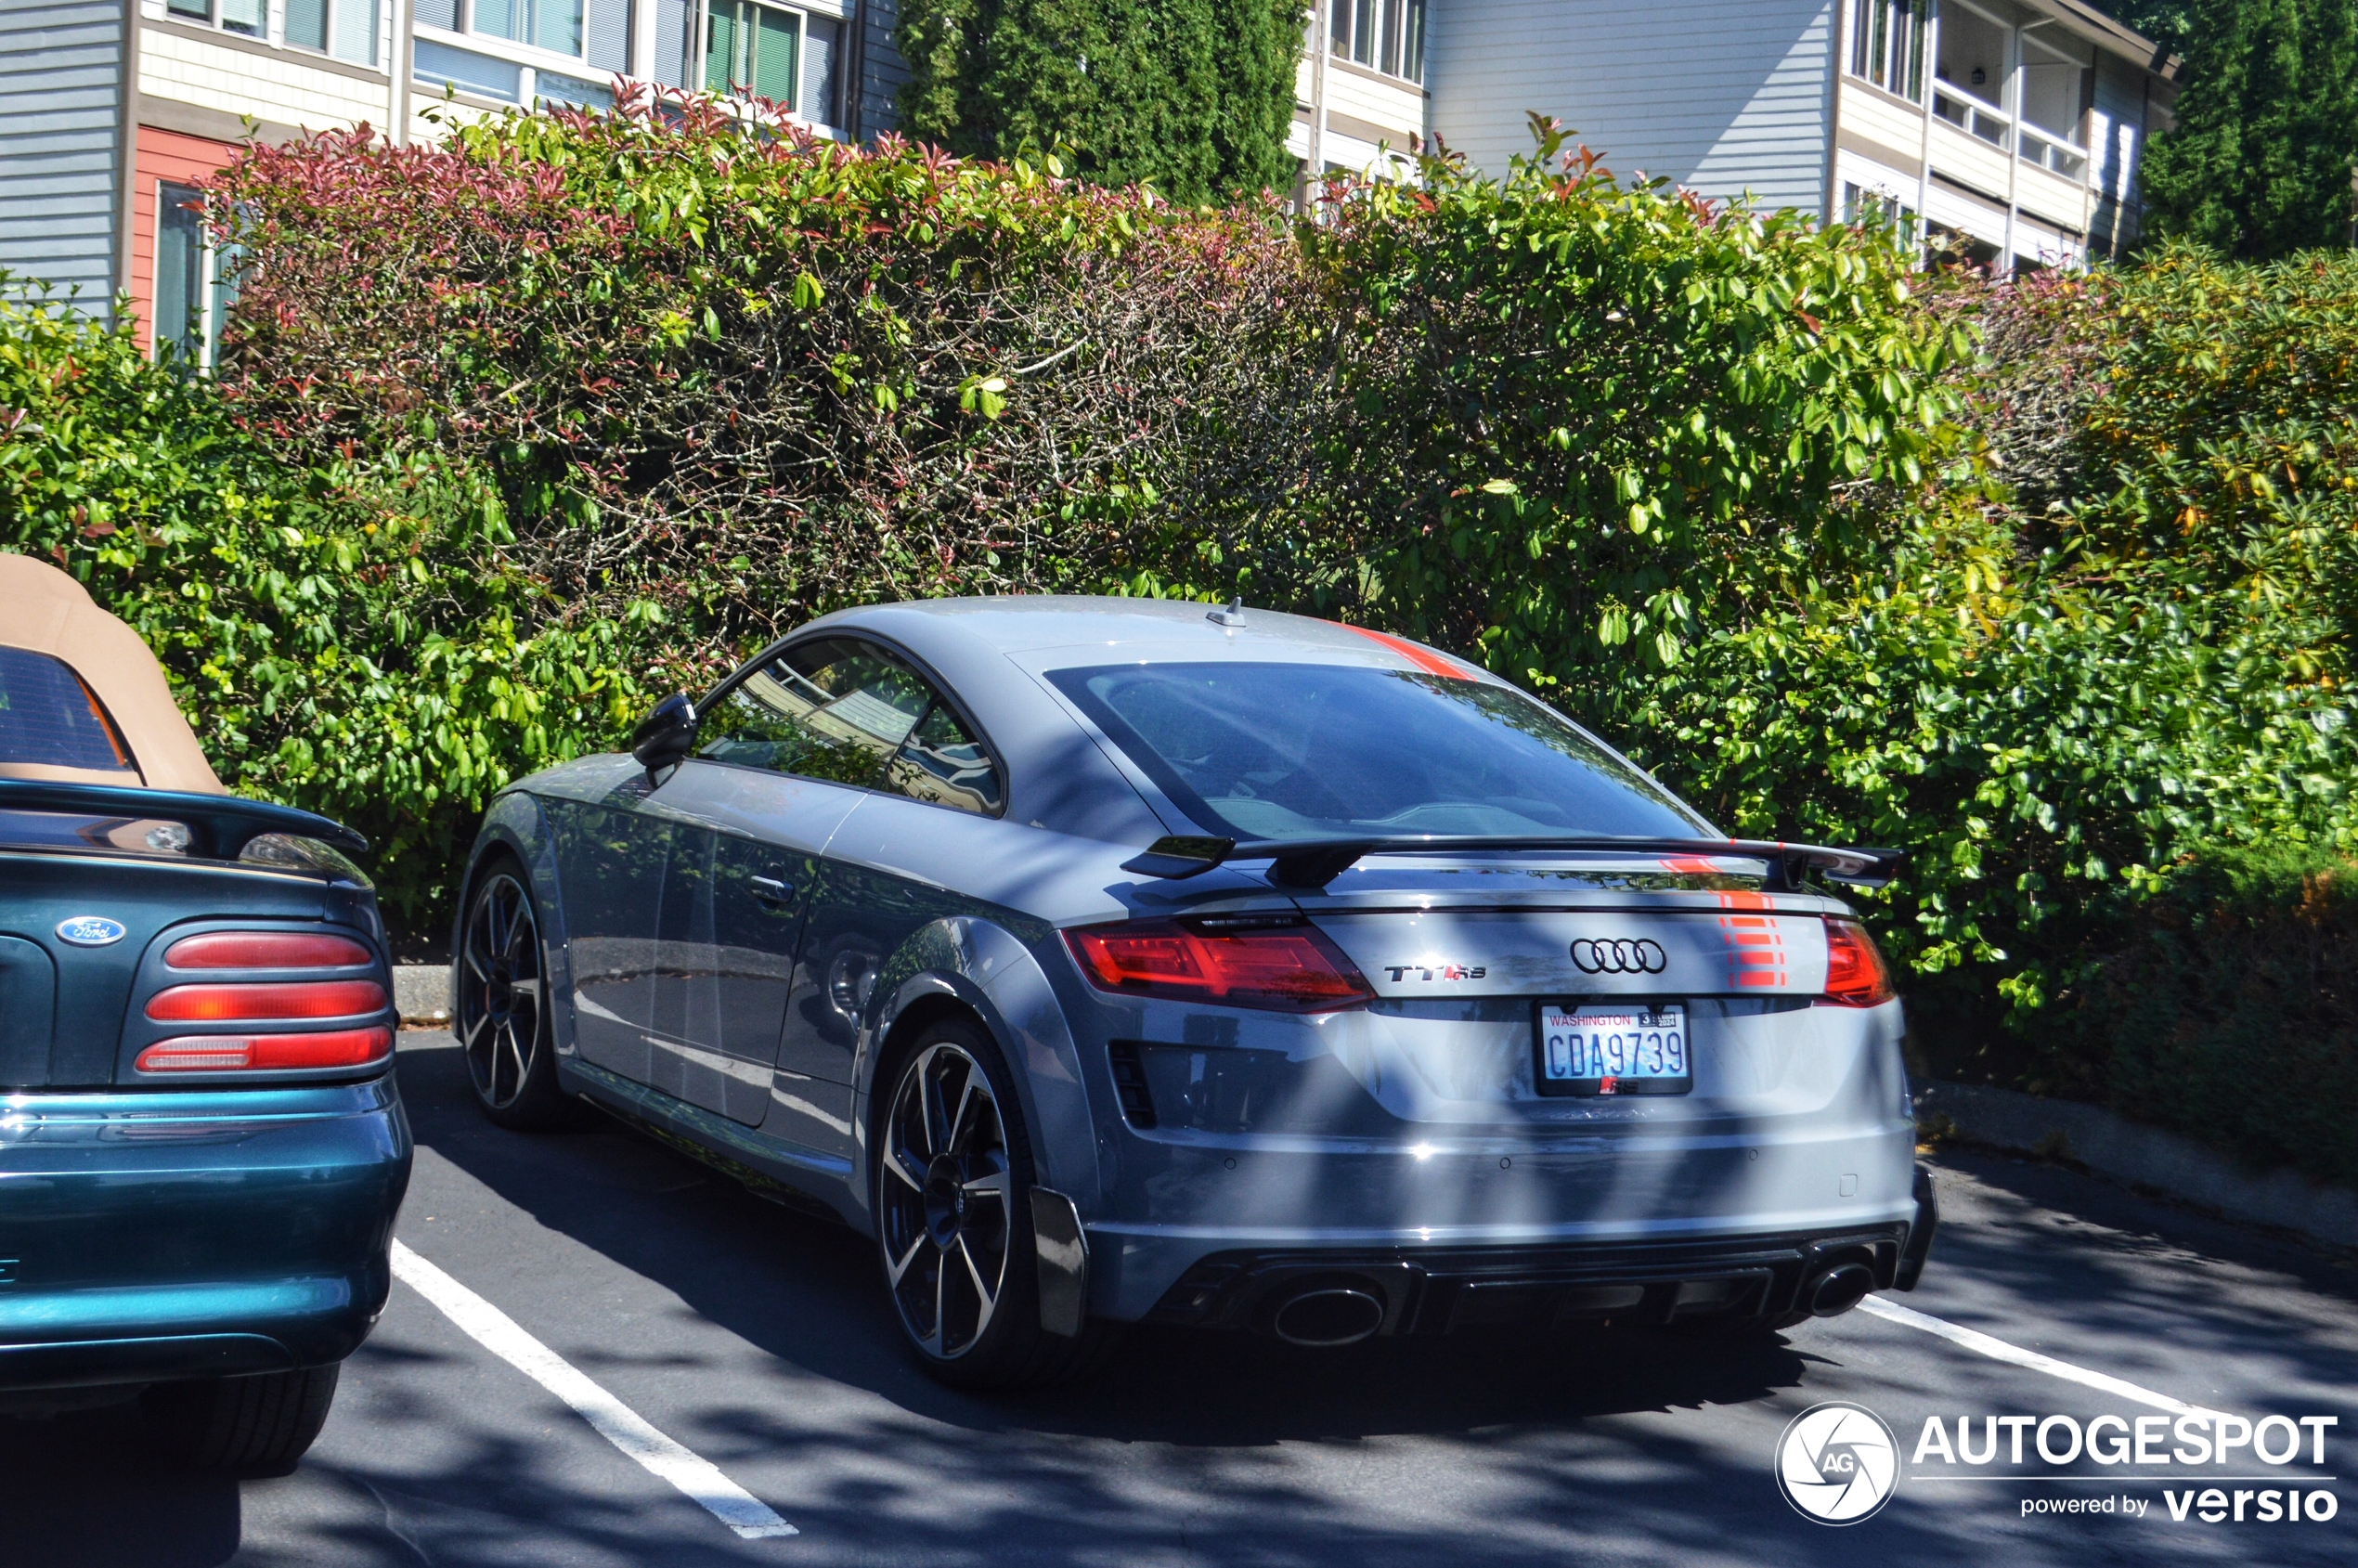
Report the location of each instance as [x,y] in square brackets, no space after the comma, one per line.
[1614,1048]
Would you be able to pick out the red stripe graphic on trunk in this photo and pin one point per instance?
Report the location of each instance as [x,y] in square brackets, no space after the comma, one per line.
[1422,657]
[1755,948]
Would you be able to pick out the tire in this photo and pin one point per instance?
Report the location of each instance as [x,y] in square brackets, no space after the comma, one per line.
[500,1009]
[246,1426]
[953,1175]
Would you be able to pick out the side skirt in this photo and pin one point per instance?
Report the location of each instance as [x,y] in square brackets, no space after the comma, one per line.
[788,1174]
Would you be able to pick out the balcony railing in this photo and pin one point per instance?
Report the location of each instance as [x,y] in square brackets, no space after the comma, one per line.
[2049,153]
[1972,116]
[1993,125]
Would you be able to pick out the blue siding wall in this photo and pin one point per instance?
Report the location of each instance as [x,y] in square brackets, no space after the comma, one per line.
[1725,96]
[61,142]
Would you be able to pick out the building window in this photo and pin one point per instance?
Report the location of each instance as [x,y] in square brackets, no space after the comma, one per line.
[196,280]
[346,29]
[1862,206]
[752,48]
[440,65]
[554,25]
[783,53]
[1386,35]
[557,51]
[1887,44]
[251,18]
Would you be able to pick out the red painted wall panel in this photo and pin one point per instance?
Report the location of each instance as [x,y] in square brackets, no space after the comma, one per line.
[163,155]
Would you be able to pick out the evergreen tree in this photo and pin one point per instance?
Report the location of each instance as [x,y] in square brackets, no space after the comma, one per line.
[2164,21]
[1193,97]
[2259,162]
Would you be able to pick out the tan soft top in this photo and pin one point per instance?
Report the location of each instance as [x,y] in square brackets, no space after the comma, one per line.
[45,611]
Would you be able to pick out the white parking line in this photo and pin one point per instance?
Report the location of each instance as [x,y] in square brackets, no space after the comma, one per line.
[1999,1350]
[615,1421]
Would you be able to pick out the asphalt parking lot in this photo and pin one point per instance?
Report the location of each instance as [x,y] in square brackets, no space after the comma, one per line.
[758,1340]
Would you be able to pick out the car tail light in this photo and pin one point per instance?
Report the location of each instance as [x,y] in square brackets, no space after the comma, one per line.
[1289,966]
[266,950]
[1855,972]
[233,1053]
[267,1000]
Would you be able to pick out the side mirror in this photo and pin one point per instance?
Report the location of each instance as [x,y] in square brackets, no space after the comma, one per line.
[665,737]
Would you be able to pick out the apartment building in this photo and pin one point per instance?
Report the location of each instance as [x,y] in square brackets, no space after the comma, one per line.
[109,111]
[2015,126]
[1360,101]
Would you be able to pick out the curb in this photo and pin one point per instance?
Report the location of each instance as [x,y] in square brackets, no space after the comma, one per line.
[421,994]
[2176,1167]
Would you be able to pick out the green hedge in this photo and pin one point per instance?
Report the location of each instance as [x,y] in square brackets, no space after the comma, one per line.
[344,635]
[2228,1011]
[2048,584]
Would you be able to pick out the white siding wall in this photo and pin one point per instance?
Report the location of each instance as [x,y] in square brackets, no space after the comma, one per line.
[279,87]
[1727,96]
[61,142]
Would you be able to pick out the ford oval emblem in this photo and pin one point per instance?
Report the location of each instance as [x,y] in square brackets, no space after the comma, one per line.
[90,930]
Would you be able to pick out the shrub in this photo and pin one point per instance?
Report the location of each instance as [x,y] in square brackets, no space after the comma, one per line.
[2227,1009]
[2046,584]
[344,637]
[748,376]
[1714,482]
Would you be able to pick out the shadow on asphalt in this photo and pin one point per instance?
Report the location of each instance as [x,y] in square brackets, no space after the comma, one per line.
[809,1292]
[63,1485]
[1195,1448]
[2153,1288]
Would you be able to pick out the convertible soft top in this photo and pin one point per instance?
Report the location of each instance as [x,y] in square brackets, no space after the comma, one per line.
[42,611]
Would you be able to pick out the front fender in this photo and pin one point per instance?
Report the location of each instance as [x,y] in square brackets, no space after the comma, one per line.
[517,823]
[990,970]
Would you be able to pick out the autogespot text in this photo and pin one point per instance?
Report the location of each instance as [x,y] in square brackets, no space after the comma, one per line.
[2188,1457]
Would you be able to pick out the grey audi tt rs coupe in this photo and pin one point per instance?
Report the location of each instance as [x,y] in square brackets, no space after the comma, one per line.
[1109,960]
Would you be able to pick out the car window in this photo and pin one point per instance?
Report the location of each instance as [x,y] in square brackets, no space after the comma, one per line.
[1309,751]
[942,763]
[851,713]
[49,718]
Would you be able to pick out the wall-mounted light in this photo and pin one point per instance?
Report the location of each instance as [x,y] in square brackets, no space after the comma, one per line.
[1979,76]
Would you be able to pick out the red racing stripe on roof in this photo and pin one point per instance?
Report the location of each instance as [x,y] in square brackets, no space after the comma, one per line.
[1422,657]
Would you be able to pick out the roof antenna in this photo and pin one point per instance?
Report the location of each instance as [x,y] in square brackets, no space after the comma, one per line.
[1234,615]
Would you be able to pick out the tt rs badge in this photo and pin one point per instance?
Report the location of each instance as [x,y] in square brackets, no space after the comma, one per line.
[90,930]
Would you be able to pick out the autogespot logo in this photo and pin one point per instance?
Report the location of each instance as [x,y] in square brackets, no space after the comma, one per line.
[1837,1463]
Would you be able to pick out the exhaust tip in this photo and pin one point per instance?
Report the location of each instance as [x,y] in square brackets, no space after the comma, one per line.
[1334,1314]
[1839,1290]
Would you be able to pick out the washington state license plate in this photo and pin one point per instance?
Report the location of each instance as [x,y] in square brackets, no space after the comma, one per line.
[1614,1048]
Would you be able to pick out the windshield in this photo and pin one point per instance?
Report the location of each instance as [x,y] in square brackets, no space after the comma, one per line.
[1320,751]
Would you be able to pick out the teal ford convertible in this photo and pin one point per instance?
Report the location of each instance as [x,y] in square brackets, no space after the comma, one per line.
[201,1150]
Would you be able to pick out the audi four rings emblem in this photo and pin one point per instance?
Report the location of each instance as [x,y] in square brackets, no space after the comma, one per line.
[1619,956]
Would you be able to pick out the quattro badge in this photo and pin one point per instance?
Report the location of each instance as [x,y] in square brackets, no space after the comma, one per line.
[89,930]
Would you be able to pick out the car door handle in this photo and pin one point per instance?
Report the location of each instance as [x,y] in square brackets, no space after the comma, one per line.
[771,890]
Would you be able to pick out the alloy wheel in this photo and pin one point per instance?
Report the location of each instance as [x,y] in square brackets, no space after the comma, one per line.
[943,1201]
[500,992]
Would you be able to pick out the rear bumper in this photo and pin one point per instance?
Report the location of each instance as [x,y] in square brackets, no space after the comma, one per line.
[1657,1269]
[1446,1290]
[162,1235]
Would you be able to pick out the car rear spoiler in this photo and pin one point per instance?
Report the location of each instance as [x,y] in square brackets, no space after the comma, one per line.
[222,825]
[1313,862]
